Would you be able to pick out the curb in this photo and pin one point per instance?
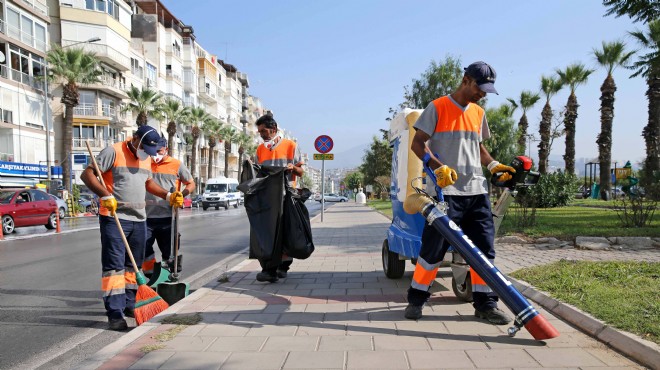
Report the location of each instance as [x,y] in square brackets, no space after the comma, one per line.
[108,352]
[643,351]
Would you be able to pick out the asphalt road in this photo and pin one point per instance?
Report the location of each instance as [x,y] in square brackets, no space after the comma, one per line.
[51,314]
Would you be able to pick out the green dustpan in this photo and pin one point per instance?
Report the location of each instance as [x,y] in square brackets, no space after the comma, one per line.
[160,275]
[172,290]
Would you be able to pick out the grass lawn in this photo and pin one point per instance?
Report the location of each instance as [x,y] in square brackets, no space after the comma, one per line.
[625,295]
[382,206]
[568,222]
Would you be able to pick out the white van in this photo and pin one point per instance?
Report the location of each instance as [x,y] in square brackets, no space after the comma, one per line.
[221,191]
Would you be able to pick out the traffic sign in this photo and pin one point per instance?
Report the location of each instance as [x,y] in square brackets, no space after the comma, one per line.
[323,144]
[327,157]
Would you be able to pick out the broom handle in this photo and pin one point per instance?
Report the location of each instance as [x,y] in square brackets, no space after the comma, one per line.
[121,230]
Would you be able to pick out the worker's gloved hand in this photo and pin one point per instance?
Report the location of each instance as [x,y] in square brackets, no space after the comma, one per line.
[505,171]
[175,199]
[110,203]
[444,175]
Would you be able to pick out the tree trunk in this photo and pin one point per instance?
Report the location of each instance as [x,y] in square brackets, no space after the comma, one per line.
[70,99]
[193,160]
[171,131]
[651,132]
[604,140]
[209,170]
[240,162]
[522,134]
[544,132]
[141,119]
[569,123]
[227,151]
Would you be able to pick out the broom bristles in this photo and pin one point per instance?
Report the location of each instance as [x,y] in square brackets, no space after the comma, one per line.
[148,304]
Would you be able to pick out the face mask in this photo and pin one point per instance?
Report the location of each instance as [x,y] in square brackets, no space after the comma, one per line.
[270,143]
[158,158]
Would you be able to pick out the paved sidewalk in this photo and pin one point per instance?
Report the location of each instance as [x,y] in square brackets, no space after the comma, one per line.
[337,310]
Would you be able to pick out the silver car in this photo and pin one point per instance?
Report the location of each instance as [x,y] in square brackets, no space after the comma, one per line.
[331,198]
[62,208]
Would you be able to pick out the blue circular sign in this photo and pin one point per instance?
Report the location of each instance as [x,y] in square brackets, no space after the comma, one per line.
[323,144]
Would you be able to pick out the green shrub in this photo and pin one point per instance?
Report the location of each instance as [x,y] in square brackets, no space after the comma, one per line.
[553,190]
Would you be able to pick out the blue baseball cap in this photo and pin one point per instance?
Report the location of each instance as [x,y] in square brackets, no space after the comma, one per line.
[148,138]
[162,143]
[484,75]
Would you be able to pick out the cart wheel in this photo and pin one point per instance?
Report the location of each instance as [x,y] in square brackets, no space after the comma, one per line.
[392,265]
[463,291]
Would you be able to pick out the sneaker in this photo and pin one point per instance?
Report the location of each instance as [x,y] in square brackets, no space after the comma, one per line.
[494,316]
[281,274]
[267,276]
[117,324]
[413,312]
[129,312]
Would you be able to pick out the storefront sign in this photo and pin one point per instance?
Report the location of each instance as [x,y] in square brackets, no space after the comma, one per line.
[28,170]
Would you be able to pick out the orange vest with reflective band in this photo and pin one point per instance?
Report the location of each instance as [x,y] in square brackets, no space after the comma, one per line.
[452,118]
[282,154]
[126,182]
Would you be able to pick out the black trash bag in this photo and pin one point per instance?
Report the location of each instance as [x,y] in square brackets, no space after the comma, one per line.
[297,229]
[264,196]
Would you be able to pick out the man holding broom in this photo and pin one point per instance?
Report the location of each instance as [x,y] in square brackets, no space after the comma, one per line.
[126,171]
[169,173]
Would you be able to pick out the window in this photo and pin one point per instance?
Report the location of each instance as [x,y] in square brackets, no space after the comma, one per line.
[40,36]
[6,115]
[39,195]
[26,30]
[100,5]
[14,22]
[151,73]
[136,68]
[89,4]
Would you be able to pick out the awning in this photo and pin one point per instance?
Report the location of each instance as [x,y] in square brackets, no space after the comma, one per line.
[16,182]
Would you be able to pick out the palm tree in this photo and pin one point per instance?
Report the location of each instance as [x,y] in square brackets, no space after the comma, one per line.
[550,86]
[648,66]
[71,66]
[196,118]
[211,129]
[144,102]
[612,55]
[574,75]
[173,112]
[527,100]
[243,141]
[228,134]
[638,10]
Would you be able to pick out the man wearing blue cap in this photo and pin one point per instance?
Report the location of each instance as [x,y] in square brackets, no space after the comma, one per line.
[126,171]
[169,173]
[448,138]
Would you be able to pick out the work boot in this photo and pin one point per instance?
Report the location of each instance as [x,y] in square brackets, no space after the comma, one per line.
[170,264]
[494,316]
[129,312]
[117,324]
[413,312]
[267,276]
[281,274]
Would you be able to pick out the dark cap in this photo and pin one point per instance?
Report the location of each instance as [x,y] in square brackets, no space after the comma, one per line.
[484,75]
[148,138]
[162,143]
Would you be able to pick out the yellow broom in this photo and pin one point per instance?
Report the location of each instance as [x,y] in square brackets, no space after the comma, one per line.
[147,302]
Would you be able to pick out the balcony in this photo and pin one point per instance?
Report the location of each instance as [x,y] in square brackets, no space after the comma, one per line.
[105,53]
[21,77]
[172,51]
[206,92]
[38,5]
[95,143]
[173,75]
[110,86]
[21,36]
[108,112]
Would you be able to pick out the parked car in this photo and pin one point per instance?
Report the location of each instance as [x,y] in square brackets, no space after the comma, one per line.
[89,203]
[62,207]
[26,207]
[196,201]
[331,198]
[187,202]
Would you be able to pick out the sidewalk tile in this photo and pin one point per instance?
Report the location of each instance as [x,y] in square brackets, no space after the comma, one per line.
[371,328]
[322,329]
[422,328]
[251,360]
[185,344]
[315,360]
[237,344]
[272,330]
[224,330]
[300,318]
[216,318]
[473,327]
[282,308]
[501,358]
[386,342]
[345,343]
[558,357]
[450,359]
[198,360]
[326,308]
[454,342]
[346,317]
[376,360]
[610,357]
[257,318]
[152,360]
[327,292]
[291,344]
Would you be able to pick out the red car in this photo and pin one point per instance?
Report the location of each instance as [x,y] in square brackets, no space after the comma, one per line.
[26,207]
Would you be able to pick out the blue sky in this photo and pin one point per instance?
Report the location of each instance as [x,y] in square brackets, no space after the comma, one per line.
[335,67]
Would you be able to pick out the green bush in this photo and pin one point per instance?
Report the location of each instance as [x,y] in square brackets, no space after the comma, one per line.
[553,190]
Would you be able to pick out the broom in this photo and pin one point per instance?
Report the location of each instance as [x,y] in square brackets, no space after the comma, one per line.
[147,302]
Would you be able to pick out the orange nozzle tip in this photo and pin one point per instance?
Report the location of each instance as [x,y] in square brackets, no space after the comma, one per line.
[540,328]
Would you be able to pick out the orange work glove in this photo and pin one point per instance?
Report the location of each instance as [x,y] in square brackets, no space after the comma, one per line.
[110,203]
[505,171]
[175,199]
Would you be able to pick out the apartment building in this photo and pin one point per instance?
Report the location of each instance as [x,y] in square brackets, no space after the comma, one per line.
[26,146]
